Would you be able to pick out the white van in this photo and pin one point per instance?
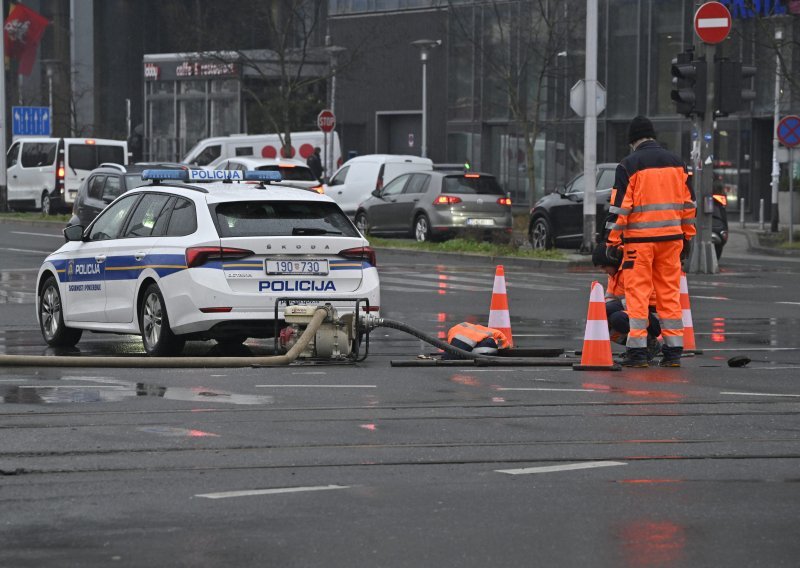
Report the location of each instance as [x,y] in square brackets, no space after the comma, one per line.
[45,173]
[360,176]
[210,152]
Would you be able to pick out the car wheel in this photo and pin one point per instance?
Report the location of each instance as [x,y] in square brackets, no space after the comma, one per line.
[540,234]
[51,317]
[362,224]
[422,229]
[157,337]
[47,205]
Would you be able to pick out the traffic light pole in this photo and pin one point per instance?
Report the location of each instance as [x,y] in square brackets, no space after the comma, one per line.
[703,258]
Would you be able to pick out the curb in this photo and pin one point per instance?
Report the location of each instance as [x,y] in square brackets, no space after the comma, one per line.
[572,262]
[34,222]
[754,245]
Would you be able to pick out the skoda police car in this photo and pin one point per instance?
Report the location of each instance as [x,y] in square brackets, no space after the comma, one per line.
[184,259]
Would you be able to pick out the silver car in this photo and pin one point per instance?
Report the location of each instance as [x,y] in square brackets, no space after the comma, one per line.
[436,205]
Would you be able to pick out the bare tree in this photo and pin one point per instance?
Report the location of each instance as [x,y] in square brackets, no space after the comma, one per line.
[519,52]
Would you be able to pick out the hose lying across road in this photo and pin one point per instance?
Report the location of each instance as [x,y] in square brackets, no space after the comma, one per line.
[171,362]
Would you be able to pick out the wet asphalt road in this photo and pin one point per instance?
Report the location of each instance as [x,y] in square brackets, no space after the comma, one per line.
[373,465]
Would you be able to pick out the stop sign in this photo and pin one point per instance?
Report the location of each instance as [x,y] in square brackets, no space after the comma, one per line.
[326,120]
[712,22]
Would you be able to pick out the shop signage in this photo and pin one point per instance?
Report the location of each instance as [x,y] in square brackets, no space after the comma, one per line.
[746,9]
[152,71]
[205,69]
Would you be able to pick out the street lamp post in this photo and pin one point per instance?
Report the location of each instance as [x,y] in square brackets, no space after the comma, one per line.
[333,52]
[425,46]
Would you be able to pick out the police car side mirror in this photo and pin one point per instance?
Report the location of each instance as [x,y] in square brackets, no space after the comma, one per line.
[73,233]
[376,193]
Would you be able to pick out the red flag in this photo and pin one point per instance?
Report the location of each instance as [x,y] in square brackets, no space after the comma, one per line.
[21,33]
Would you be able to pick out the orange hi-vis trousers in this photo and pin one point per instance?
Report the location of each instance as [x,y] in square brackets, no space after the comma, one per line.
[656,266]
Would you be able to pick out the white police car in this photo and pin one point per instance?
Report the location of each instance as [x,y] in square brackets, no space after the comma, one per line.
[175,261]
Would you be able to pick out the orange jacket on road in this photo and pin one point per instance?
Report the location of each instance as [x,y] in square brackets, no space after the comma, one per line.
[472,334]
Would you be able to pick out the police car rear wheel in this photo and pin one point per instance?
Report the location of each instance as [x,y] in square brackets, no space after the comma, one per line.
[157,336]
[51,318]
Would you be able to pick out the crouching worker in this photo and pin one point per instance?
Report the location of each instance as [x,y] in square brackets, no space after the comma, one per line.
[475,338]
[618,321]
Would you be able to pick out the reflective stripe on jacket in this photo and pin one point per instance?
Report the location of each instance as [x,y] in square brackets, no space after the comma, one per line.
[472,334]
[651,200]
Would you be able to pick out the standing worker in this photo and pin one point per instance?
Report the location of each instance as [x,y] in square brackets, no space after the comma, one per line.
[652,213]
[314,163]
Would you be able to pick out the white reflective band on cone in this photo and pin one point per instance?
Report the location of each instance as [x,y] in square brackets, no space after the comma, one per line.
[499,318]
[596,330]
[687,318]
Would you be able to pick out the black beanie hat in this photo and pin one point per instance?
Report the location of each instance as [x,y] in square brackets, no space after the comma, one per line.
[640,127]
[600,258]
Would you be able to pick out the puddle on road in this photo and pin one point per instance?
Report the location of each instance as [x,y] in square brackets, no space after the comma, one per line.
[113,391]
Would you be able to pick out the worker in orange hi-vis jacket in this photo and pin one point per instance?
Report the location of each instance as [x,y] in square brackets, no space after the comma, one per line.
[652,212]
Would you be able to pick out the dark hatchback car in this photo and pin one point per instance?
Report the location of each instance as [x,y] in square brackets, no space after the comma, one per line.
[434,205]
[107,182]
[556,220]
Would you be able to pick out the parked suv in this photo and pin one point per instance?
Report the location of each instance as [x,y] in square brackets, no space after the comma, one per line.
[437,204]
[557,219]
[107,182]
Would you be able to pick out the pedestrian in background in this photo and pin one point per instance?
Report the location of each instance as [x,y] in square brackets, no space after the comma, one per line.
[314,163]
[652,213]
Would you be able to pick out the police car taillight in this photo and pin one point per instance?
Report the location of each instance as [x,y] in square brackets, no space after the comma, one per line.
[198,256]
[360,253]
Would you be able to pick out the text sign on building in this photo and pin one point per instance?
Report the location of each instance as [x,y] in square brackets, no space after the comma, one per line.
[30,121]
[326,120]
[712,22]
[789,131]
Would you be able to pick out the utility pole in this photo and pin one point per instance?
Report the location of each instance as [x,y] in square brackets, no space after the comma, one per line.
[776,168]
[590,132]
[3,132]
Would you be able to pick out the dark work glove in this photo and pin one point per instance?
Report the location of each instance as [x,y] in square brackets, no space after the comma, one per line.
[686,250]
[614,254]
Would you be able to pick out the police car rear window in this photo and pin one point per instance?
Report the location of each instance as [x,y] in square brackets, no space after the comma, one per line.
[292,173]
[281,218]
[472,184]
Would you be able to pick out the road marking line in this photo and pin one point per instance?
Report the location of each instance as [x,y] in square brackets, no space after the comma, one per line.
[709,297]
[71,387]
[227,494]
[38,234]
[13,380]
[551,468]
[318,386]
[726,333]
[760,394]
[792,303]
[544,389]
[310,373]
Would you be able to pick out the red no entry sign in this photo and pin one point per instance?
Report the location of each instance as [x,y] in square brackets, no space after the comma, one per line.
[712,22]
[326,121]
[789,131]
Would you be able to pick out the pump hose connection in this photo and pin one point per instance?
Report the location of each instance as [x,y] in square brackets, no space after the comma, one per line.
[370,322]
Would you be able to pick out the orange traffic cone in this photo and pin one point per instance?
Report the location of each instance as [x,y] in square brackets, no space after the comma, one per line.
[689,345]
[499,316]
[596,355]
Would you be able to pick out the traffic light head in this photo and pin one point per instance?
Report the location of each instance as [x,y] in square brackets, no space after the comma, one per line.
[731,92]
[689,84]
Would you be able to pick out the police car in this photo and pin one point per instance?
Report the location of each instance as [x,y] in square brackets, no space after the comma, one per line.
[183,259]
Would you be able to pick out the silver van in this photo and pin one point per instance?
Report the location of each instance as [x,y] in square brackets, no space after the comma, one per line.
[45,173]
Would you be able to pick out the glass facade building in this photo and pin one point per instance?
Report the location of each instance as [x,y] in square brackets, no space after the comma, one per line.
[499,88]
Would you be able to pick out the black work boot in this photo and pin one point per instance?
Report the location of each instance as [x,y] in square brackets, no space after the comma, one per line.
[635,357]
[654,347]
[670,356]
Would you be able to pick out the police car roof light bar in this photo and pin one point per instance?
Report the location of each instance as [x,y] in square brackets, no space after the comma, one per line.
[259,175]
[156,176]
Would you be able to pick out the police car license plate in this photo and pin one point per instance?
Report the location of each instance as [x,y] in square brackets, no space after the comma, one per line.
[319,267]
[480,222]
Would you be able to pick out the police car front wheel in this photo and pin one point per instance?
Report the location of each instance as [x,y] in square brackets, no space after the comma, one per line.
[51,317]
[157,336]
